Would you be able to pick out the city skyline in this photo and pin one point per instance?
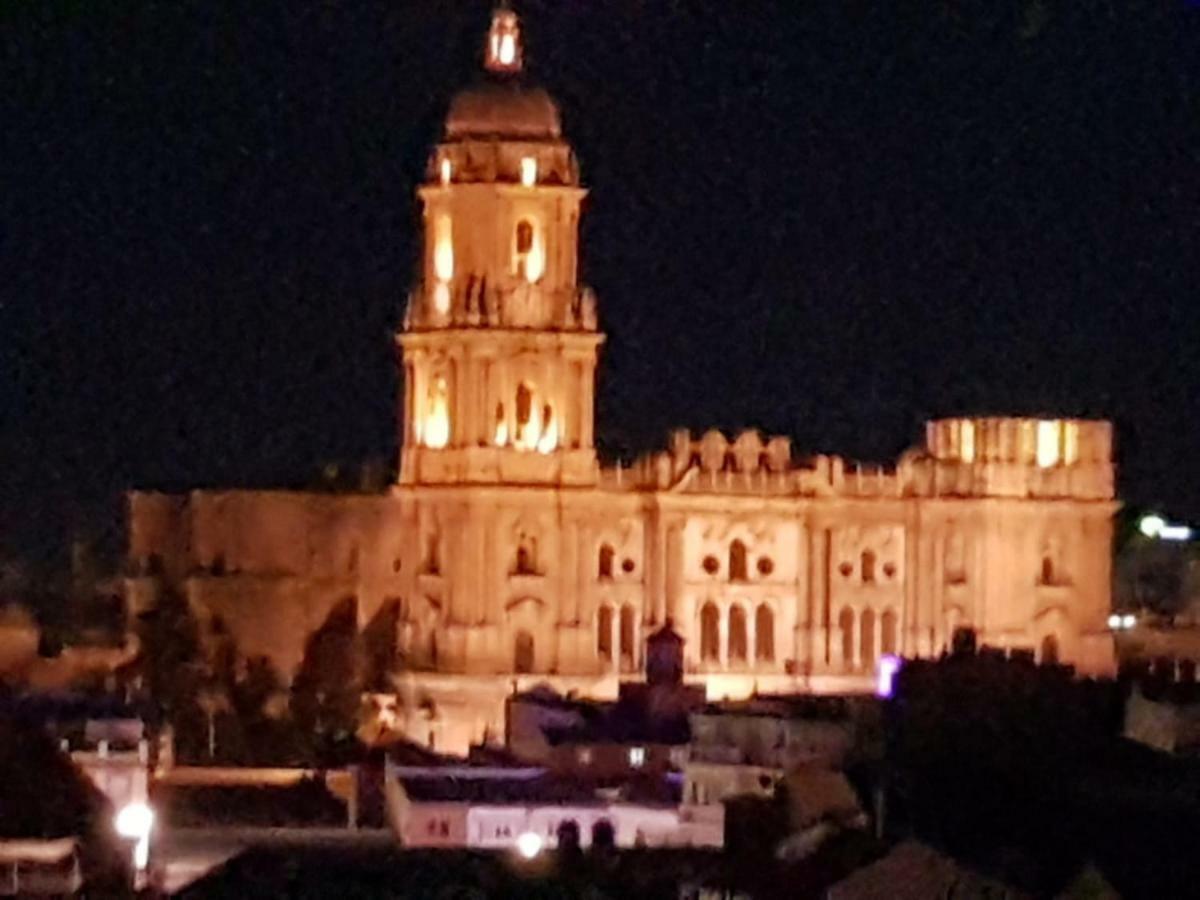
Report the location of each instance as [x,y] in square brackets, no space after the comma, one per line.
[206,298]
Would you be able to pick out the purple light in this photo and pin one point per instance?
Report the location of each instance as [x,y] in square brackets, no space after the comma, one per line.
[886,675]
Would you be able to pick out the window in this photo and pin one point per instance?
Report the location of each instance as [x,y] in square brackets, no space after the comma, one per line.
[737,561]
[764,634]
[524,236]
[1049,650]
[867,566]
[637,756]
[526,563]
[846,626]
[628,565]
[433,563]
[523,653]
[627,632]
[1047,573]
[712,565]
[737,634]
[604,632]
[765,566]
[529,171]
[604,568]
[436,428]
[584,755]
[866,638]
[710,633]
[888,638]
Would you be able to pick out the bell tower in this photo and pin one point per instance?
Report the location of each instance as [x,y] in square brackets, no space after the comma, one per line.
[500,340]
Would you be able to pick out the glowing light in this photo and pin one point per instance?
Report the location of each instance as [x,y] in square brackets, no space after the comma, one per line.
[968,442]
[441,298]
[437,416]
[503,45]
[885,675]
[529,171]
[446,171]
[1128,620]
[443,248]
[1114,621]
[529,844]
[1071,443]
[1047,443]
[508,50]
[1151,525]
[535,262]
[501,436]
[549,439]
[135,822]
[637,756]
[1175,533]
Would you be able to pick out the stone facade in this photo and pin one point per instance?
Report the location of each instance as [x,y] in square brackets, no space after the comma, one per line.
[509,555]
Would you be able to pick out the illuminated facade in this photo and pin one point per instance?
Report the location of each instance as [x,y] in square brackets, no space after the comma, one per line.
[507,553]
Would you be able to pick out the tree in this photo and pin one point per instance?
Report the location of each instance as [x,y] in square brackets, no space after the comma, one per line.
[326,692]
[173,669]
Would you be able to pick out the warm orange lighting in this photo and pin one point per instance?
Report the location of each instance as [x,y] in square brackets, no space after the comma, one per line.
[443,248]
[441,298]
[529,171]
[504,43]
[535,261]
[446,170]
[1047,443]
[437,416]
[1071,443]
[549,439]
[967,453]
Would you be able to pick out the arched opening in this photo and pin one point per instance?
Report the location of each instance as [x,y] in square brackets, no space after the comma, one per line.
[737,634]
[526,563]
[888,637]
[436,425]
[866,638]
[568,835]
[604,632]
[710,633]
[1047,574]
[1049,654]
[604,836]
[737,561]
[627,634]
[867,566]
[523,653]
[764,634]
[846,627]
[524,236]
[604,568]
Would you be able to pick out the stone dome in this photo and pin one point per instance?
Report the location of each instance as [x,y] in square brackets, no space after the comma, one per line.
[503,110]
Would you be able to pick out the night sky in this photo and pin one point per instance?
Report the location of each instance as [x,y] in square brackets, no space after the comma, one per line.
[825,219]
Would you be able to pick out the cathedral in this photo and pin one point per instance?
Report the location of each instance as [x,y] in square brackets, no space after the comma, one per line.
[507,555]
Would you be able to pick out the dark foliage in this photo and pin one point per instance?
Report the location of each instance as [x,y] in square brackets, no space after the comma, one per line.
[326,692]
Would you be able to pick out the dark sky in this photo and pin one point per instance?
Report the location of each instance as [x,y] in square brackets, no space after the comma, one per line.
[825,218]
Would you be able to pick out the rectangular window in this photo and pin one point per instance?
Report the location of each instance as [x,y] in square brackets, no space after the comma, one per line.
[637,756]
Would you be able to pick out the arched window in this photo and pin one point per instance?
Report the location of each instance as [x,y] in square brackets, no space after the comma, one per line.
[627,632]
[604,632]
[524,404]
[737,633]
[527,556]
[737,561]
[523,652]
[710,633]
[605,566]
[888,639]
[524,236]
[866,638]
[868,566]
[1047,574]
[1049,650]
[846,626]
[764,634]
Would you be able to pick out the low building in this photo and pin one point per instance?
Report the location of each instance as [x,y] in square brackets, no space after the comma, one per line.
[745,748]
[493,808]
